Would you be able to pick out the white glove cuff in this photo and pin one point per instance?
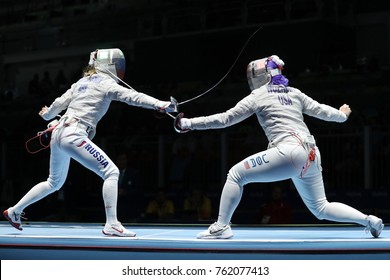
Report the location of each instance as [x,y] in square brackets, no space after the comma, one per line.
[185,123]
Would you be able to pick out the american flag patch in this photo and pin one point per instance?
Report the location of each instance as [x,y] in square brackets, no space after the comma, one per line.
[246,164]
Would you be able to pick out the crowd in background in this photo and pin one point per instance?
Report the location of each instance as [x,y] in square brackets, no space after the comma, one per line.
[168,177]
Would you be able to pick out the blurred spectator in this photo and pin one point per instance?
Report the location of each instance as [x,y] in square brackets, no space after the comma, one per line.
[7,191]
[348,165]
[180,161]
[34,86]
[160,208]
[46,84]
[197,207]
[130,188]
[276,211]
[11,92]
[61,82]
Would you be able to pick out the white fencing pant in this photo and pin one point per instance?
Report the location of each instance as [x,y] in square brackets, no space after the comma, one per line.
[70,140]
[287,160]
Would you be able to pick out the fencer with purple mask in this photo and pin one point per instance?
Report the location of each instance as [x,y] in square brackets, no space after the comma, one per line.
[292,152]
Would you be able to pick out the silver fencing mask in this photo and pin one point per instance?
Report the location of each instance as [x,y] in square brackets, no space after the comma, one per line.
[257,74]
[109,61]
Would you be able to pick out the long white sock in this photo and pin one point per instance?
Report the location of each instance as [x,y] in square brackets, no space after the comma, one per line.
[36,193]
[230,198]
[110,197]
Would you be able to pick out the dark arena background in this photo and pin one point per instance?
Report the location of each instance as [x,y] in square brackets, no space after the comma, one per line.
[335,51]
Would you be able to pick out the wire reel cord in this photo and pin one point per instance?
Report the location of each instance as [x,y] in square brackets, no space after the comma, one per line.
[227,73]
[214,86]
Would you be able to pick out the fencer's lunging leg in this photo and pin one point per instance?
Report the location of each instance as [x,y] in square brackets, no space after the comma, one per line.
[36,193]
[340,212]
[59,165]
[230,198]
[311,189]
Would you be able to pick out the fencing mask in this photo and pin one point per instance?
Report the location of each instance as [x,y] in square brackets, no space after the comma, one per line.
[257,75]
[265,70]
[109,61]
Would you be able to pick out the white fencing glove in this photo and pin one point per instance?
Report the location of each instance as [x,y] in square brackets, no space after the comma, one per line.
[181,124]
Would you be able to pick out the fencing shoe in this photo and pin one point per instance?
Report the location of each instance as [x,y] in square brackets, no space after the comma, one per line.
[117,229]
[375,226]
[13,218]
[216,231]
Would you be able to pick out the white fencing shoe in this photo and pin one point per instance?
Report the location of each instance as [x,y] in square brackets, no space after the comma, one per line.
[375,226]
[216,231]
[117,230]
[13,218]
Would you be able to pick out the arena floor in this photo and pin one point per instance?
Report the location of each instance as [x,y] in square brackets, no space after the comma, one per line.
[65,241]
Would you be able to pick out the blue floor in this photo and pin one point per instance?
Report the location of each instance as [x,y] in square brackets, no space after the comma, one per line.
[63,241]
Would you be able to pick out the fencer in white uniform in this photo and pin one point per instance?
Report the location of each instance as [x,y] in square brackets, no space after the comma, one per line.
[292,152]
[85,103]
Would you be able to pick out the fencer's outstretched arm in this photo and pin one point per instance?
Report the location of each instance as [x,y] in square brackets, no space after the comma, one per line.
[241,111]
[108,90]
[139,99]
[276,115]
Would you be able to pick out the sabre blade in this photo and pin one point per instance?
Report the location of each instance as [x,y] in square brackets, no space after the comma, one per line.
[169,114]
